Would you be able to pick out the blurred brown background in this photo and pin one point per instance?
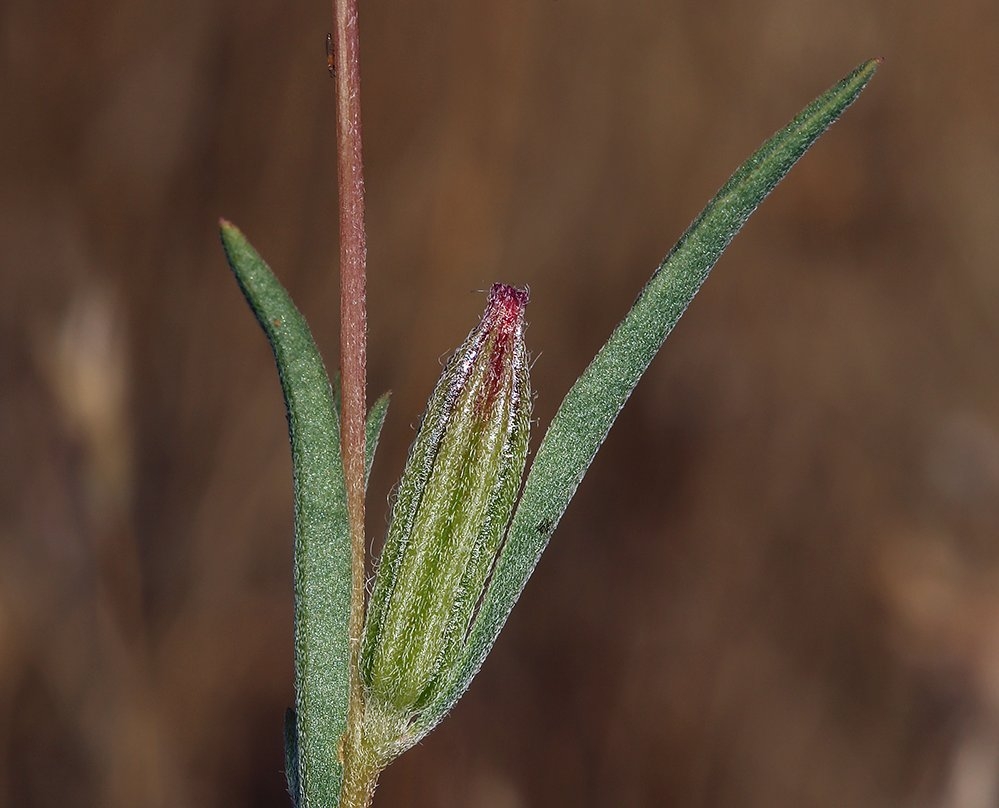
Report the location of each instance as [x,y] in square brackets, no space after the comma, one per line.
[779,585]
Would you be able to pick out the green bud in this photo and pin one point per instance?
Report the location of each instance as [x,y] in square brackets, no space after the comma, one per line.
[450,514]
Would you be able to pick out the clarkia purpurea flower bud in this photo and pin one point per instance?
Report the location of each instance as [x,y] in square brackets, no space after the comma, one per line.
[451,511]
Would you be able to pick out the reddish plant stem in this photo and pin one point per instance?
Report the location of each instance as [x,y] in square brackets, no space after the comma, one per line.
[353,318]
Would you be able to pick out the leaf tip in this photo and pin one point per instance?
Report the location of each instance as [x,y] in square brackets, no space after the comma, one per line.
[869,68]
[229,231]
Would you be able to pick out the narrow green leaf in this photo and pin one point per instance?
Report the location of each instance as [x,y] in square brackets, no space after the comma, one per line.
[589,409]
[373,430]
[372,427]
[322,542]
[291,755]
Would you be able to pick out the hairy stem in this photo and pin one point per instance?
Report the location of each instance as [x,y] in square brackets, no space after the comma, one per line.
[353,325]
[360,775]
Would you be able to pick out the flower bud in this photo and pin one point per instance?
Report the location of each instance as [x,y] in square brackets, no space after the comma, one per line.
[450,514]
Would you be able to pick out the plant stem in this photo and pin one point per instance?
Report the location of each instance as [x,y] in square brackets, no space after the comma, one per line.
[360,773]
[353,325]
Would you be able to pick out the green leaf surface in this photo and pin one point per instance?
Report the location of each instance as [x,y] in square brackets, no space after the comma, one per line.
[373,430]
[322,541]
[372,426]
[591,406]
[291,755]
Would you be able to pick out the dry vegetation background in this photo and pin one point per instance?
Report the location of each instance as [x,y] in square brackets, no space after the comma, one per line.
[780,583]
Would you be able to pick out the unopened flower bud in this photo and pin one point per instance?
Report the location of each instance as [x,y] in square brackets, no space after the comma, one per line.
[451,511]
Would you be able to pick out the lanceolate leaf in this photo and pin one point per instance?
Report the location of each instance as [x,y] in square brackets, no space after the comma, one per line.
[373,430]
[372,426]
[589,409]
[291,756]
[322,543]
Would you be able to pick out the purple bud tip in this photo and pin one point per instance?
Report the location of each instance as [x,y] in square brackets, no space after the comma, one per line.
[507,301]
[504,319]
[508,294]
[504,311]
